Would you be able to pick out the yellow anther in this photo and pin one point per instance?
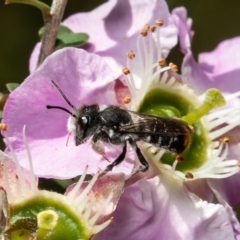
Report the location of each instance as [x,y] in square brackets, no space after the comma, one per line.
[189,175]
[131,55]
[179,158]
[143,32]
[224,139]
[159,22]
[153,28]
[173,67]
[162,62]
[126,71]
[126,100]
[146,27]
[3,127]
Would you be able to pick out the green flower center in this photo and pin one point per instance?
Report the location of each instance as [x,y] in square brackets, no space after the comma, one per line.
[162,103]
[37,215]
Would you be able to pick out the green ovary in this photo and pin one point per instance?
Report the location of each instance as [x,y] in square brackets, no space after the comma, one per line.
[24,216]
[165,104]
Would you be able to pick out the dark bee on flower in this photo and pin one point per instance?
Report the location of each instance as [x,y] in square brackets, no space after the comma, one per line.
[118,126]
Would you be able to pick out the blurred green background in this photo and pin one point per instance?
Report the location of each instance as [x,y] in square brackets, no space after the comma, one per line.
[213,21]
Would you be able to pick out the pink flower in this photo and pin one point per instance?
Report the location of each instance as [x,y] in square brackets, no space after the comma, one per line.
[219,68]
[114,26]
[177,202]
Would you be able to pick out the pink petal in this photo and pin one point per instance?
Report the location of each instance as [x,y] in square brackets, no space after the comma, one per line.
[85,79]
[229,194]
[192,73]
[217,69]
[222,65]
[184,25]
[10,173]
[114,26]
[103,187]
[34,57]
[218,190]
[200,188]
[161,208]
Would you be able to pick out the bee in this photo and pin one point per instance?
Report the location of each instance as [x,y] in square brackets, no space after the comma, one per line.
[118,126]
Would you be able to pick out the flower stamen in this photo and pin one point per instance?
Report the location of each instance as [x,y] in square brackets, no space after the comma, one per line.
[87,189]
[159,22]
[131,55]
[33,182]
[173,67]
[189,175]
[144,32]
[153,28]
[126,71]
[146,27]
[179,158]
[3,127]
[162,62]
[224,140]
[72,194]
[126,100]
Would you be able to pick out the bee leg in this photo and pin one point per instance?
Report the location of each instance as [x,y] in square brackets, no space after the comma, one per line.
[117,161]
[97,143]
[141,158]
[98,147]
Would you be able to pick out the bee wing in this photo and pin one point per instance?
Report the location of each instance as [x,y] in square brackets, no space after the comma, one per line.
[152,125]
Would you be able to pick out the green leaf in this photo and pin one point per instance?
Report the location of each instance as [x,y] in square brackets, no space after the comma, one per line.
[67,38]
[12,86]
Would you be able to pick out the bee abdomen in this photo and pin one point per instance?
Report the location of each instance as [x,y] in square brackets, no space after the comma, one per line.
[174,144]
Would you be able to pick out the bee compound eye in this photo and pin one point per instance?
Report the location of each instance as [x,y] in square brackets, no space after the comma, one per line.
[84,122]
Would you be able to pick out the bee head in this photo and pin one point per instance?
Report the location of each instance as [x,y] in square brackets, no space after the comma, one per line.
[86,122]
[83,121]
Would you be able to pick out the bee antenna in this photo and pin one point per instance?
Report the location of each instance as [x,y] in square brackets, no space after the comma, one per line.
[63,95]
[64,109]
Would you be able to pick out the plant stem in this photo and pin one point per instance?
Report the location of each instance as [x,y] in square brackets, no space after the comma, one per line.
[51,29]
